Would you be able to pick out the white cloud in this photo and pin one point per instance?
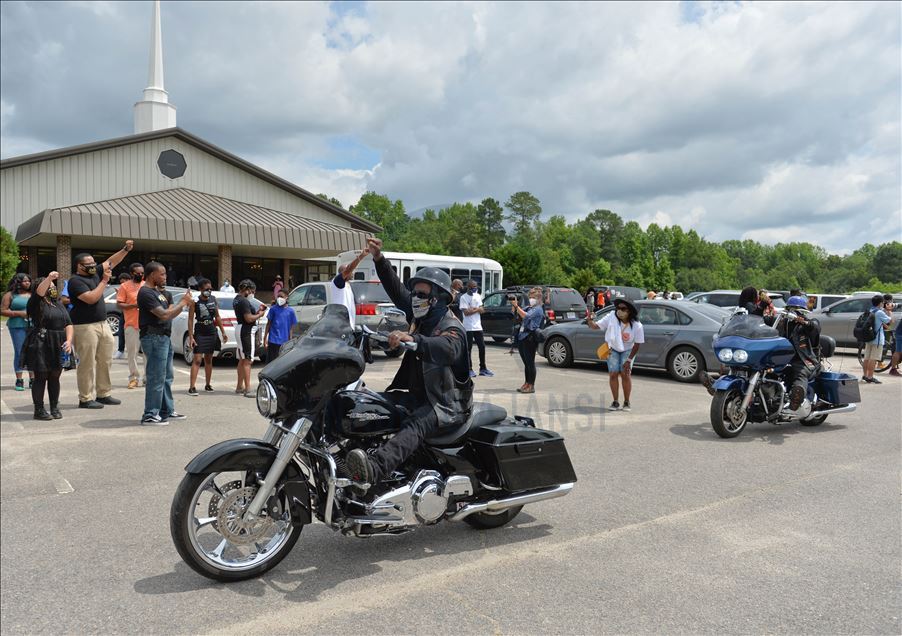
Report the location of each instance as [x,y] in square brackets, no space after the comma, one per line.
[744,121]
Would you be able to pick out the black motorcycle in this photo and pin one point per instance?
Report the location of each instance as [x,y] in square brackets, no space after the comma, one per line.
[242,504]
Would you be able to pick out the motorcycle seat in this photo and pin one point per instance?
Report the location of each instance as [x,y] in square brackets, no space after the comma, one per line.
[483,413]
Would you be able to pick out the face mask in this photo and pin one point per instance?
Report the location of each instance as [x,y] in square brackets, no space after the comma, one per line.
[471,291]
[250,295]
[90,269]
[206,294]
[533,302]
[420,306]
[280,301]
[623,314]
[53,293]
[137,277]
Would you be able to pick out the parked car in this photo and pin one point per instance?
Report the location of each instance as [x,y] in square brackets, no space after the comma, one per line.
[729,298]
[227,350]
[114,314]
[838,319]
[825,300]
[562,305]
[678,338]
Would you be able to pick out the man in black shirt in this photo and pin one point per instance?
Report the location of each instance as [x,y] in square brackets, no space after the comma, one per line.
[245,326]
[155,314]
[94,341]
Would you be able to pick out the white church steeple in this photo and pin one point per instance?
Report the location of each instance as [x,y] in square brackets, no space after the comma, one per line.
[155,112]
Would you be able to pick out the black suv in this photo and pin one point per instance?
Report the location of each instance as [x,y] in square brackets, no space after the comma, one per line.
[562,304]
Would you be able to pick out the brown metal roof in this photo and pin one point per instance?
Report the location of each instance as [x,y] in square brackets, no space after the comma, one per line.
[207,147]
[188,216]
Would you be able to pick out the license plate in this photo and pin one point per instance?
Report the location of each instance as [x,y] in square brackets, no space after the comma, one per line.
[571,315]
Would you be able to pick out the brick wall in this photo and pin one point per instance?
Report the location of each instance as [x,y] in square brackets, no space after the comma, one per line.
[64,256]
[225,264]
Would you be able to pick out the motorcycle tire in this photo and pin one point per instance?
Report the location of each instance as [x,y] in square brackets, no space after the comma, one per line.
[487,521]
[723,424]
[817,420]
[181,516]
[394,353]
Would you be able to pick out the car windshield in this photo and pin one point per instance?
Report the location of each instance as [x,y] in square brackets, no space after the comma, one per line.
[747,326]
[369,292]
[567,298]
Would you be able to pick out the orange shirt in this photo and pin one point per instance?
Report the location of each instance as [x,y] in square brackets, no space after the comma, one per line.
[128,295]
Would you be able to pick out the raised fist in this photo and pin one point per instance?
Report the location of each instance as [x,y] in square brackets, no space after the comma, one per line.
[53,276]
[129,245]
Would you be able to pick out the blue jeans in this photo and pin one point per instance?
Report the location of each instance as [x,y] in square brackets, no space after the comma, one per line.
[616,360]
[18,336]
[159,373]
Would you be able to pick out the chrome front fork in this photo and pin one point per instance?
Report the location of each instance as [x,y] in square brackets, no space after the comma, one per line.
[290,443]
[750,392]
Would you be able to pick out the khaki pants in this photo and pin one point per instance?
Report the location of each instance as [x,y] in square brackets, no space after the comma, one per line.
[132,346]
[94,344]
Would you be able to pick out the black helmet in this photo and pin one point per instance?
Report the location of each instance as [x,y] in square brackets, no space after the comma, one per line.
[436,277]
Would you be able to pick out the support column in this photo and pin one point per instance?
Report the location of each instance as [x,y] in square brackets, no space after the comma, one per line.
[33,262]
[225,265]
[285,271]
[64,256]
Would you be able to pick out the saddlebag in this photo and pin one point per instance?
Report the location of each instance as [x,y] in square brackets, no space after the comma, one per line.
[520,457]
[838,388]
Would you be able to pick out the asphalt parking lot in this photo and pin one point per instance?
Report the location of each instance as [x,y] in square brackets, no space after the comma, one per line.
[784,529]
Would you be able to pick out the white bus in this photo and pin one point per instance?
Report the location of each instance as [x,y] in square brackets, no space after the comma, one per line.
[487,273]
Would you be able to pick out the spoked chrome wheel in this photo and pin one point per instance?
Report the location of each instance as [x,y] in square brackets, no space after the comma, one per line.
[212,536]
[727,416]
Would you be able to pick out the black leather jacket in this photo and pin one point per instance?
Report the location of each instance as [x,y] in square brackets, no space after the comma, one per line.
[805,339]
[438,369]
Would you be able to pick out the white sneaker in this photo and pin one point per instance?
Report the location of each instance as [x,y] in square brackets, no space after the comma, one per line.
[154,420]
[118,355]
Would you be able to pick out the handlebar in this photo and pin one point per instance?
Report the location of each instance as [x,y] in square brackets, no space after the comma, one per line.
[382,337]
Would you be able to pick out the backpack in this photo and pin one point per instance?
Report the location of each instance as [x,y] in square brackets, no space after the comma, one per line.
[864,330]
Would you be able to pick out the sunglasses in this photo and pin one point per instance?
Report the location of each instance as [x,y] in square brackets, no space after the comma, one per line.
[422,295]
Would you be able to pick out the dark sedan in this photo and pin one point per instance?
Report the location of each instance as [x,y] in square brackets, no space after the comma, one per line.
[678,338]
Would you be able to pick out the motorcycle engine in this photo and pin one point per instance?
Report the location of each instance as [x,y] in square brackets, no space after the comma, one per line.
[428,499]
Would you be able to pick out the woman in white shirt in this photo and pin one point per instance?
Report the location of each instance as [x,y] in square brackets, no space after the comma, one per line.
[623,333]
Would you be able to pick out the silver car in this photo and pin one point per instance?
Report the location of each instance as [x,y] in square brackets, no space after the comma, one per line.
[370,298]
[228,350]
[678,338]
[838,320]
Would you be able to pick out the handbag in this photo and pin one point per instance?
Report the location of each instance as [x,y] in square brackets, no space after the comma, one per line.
[68,361]
[603,351]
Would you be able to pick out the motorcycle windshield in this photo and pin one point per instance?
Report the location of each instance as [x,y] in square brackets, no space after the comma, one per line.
[334,323]
[747,326]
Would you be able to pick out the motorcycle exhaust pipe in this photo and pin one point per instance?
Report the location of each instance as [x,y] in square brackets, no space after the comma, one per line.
[848,408]
[497,505]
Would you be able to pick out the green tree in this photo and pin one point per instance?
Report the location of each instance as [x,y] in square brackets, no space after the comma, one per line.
[888,262]
[525,211]
[332,200]
[381,210]
[9,256]
[521,262]
[609,227]
[491,224]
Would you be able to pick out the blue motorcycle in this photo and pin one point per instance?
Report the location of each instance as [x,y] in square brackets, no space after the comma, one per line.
[757,387]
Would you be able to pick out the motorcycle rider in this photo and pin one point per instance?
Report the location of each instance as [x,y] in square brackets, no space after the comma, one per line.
[433,383]
[805,335]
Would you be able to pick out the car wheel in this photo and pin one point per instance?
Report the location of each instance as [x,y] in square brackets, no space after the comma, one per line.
[558,352]
[187,351]
[685,364]
[500,340]
[115,323]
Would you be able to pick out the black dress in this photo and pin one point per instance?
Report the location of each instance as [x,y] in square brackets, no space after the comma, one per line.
[43,346]
[205,326]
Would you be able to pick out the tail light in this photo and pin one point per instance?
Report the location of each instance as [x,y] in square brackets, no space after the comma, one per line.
[551,314]
[366,310]
[229,322]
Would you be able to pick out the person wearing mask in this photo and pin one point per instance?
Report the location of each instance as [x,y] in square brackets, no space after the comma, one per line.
[340,292]
[155,314]
[471,307]
[457,287]
[279,322]
[94,341]
[531,320]
[203,321]
[873,350]
[227,287]
[46,345]
[590,300]
[432,382]
[14,306]
[804,333]
[624,334]
[246,327]
[127,301]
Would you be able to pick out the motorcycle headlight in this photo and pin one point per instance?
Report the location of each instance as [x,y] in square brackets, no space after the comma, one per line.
[266,398]
[740,355]
[725,355]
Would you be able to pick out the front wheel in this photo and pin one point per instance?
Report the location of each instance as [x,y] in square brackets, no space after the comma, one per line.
[558,352]
[489,520]
[815,420]
[727,417]
[685,364]
[212,537]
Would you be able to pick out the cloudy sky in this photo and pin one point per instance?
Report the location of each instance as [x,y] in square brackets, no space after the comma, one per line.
[773,120]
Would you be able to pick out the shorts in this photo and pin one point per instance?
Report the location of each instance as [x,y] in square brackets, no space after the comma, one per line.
[873,351]
[246,345]
[616,360]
